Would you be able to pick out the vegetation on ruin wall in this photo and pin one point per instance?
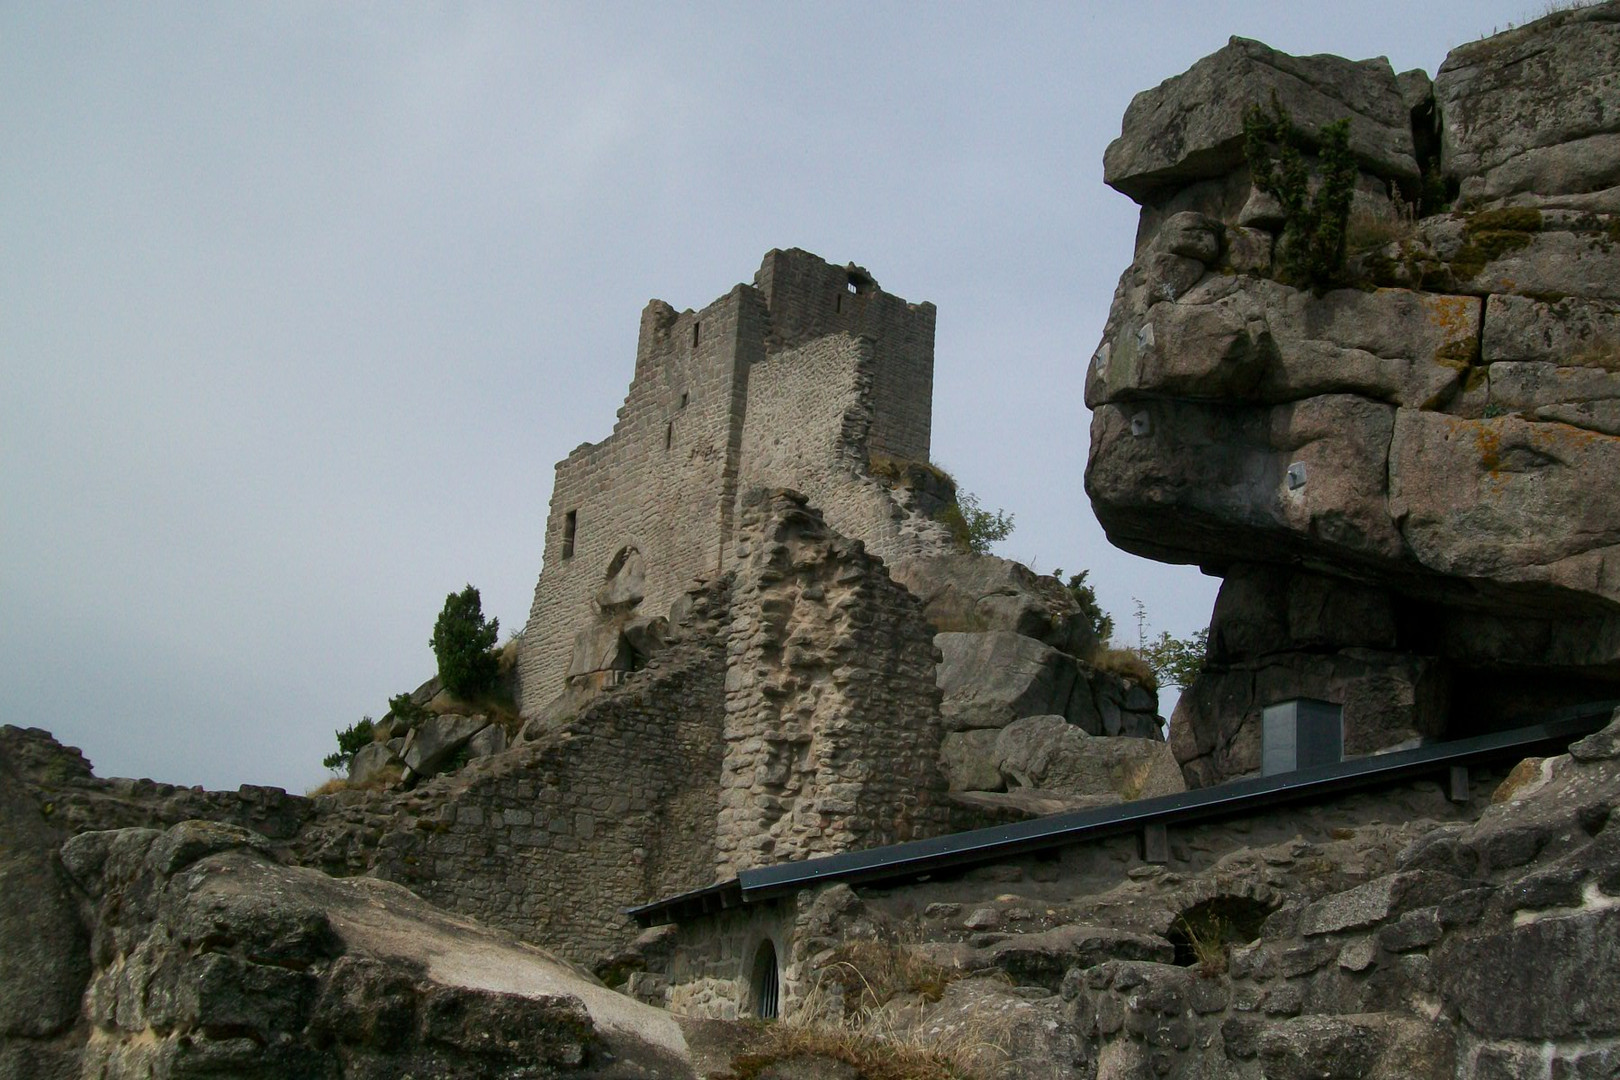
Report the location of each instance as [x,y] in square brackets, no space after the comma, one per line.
[973,528]
[1312,250]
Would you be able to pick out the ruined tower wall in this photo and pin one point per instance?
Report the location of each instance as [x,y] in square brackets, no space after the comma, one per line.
[663,482]
[809,298]
[789,383]
[807,427]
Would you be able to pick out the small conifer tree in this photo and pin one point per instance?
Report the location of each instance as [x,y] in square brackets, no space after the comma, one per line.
[464,643]
[1312,252]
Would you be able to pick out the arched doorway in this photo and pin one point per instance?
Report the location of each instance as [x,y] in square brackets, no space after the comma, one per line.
[764,983]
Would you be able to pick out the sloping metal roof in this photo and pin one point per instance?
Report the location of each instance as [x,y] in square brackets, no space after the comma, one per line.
[920,858]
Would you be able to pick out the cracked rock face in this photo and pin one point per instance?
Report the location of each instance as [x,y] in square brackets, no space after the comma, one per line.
[210,959]
[1434,446]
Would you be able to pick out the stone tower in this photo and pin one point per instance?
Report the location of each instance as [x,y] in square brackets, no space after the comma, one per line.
[802,379]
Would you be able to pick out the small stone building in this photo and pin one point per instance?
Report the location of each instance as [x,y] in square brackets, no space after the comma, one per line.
[803,379]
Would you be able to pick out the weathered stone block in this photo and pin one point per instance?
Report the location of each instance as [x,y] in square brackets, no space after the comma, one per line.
[1190,127]
[1522,112]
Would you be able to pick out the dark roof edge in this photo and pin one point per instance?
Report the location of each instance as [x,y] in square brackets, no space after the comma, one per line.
[917,858]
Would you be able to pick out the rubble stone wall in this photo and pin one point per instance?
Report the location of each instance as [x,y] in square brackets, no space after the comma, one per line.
[712,972]
[832,714]
[553,839]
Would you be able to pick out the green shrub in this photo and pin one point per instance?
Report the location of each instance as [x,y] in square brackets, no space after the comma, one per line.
[1101,623]
[403,707]
[1313,241]
[349,741]
[1177,661]
[464,643]
[972,528]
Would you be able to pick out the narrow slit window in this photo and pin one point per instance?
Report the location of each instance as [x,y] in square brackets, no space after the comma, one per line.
[838,302]
[570,524]
[669,435]
[697,329]
[684,399]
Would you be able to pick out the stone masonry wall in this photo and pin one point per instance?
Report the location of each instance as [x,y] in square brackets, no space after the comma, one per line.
[664,485]
[661,484]
[809,427]
[809,298]
[832,713]
[711,972]
[553,839]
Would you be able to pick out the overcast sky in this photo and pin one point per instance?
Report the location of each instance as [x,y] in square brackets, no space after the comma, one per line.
[301,303]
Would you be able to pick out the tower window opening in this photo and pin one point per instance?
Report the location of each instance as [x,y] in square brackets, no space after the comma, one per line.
[570,525]
[684,399]
[852,287]
[669,435]
[697,329]
[838,302]
[766,983]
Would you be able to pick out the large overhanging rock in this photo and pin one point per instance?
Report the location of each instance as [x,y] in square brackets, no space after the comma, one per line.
[1432,446]
[1202,482]
[1190,127]
[1528,116]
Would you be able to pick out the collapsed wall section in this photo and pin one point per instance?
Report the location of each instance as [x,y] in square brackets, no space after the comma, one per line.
[831,712]
[809,427]
[554,839]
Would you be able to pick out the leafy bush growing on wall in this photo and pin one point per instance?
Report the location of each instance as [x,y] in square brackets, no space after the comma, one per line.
[1177,661]
[972,528]
[1313,240]
[464,643]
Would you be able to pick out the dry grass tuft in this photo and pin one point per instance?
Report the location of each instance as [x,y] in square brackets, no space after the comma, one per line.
[873,1041]
[331,787]
[870,974]
[895,470]
[382,781]
[1127,662]
[1207,934]
[1367,231]
[873,1057]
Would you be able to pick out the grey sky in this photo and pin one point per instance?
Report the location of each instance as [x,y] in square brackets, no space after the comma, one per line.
[299,303]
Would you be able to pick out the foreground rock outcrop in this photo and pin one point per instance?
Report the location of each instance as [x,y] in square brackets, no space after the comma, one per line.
[1405,479]
[1389,935]
[212,960]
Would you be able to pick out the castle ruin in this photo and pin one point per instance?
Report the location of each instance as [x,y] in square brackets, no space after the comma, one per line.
[802,379]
